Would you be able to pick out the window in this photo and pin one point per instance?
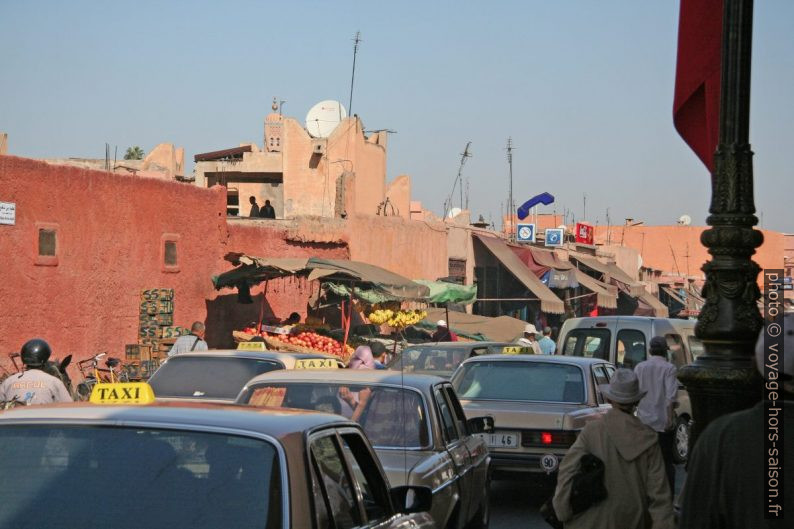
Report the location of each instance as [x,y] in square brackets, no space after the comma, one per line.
[630,348]
[46,244]
[676,355]
[519,381]
[590,343]
[335,482]
[447,420]
[207,377]
[457,410]
[601,377]
[169,255]
[370,481]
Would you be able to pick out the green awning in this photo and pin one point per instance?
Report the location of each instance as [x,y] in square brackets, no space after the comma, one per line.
[443,292]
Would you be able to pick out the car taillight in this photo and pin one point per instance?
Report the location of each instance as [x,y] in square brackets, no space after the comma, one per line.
[559,439]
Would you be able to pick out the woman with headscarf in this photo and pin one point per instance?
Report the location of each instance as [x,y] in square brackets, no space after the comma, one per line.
[356,400]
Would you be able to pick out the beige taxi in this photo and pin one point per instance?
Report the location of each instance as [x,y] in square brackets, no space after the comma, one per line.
[415,423]
[539,403]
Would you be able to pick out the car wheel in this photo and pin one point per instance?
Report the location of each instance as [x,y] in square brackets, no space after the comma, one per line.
[681,440]
[482,518]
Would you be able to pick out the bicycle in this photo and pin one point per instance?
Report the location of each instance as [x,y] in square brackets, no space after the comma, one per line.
[93,374]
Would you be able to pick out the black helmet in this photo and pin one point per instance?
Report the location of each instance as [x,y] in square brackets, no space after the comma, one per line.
[35,352]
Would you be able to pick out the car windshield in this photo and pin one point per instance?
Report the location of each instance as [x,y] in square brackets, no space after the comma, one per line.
[521,381]
[98,477]
[207,377]
[391,417]
[436,360]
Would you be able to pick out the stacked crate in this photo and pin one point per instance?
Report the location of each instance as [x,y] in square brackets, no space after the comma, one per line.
[156,331]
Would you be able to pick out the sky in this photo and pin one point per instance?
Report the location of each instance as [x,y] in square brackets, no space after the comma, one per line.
[584,88]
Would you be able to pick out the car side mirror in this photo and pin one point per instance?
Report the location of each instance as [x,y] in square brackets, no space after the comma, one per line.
[410,499]
[480,424]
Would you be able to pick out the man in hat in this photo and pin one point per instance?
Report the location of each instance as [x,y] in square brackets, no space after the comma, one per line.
[730,468]
[657,378]
[637,491]
[443,333]
[530,339]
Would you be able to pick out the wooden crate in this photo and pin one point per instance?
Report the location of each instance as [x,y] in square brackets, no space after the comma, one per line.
[154,294]
[137,352]
[165,307]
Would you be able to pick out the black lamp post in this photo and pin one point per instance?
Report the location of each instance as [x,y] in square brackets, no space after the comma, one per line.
[724,379]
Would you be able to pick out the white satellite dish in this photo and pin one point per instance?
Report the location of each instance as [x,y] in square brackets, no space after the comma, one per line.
[323,118]
[454,212]
[562,227]
[684,220]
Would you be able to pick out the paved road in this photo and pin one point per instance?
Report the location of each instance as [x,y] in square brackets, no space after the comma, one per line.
[515,503]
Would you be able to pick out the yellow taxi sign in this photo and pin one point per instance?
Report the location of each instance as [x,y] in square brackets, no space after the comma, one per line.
[251,346]
[122,393]
[316,363]
[516,350]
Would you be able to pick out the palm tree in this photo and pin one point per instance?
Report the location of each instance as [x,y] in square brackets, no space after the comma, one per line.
[134,153]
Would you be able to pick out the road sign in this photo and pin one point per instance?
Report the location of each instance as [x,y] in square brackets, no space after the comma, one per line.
[554,236]
[525,233]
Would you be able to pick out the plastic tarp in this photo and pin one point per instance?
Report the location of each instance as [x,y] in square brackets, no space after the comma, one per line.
[254,270]
[549,302]
[444,292]
[499,329]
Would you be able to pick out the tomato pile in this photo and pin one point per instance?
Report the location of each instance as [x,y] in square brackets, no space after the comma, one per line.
[310,340]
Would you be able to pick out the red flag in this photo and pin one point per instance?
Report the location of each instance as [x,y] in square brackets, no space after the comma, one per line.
[696,106]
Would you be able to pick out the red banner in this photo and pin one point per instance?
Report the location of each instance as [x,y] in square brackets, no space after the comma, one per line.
[696,106]
[584,233]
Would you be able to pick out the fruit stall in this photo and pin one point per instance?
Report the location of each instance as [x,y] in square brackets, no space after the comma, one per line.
[374,291]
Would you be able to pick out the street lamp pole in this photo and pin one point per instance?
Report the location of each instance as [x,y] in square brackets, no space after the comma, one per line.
[724,379]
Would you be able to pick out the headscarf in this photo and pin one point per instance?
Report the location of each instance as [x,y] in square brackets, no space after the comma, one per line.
[362,358]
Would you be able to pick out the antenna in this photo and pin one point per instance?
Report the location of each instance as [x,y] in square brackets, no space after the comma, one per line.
[584,206]
[609,226]
[674,259]
[356,40]
[448,203]
[510,204]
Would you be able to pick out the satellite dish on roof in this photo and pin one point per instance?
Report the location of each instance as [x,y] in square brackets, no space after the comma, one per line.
[454,212]
[323,118]
[684,220]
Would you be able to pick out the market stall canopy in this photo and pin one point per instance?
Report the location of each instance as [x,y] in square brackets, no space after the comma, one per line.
[606,295]
[648,304]
[612,272]
[254,270]
[444,292]
[549,302]
[542,262]
[499,329]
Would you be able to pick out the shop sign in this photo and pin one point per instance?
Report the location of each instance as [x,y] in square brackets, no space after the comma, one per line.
[8,213]
[525,233]
[584,233]
[554,236]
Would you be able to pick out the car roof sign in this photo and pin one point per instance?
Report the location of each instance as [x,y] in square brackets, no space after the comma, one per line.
[122,393]
[516,350]
[251,346]
[316,363]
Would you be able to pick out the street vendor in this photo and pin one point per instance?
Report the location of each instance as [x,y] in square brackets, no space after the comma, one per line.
[443,333]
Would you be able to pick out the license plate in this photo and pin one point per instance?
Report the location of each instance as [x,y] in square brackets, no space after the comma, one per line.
[500,440]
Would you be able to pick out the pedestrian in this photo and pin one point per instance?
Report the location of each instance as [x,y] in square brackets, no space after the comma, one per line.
[443,333]
[658,379]
[730,467]
[362,358]
[546,344]
[530,339]
[190,342]
[33,385]
[254,207]
[379,354]
[268,211]
[637,493]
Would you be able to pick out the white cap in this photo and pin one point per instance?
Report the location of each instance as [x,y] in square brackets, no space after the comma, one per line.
[441,323]
[530,329]
[785,360]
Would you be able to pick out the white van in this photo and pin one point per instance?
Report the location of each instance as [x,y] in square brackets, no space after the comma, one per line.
[623,340]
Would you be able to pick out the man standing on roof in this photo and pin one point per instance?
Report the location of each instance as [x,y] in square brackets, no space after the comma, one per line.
[190,342]
[254,207]
[530,339]
[443,334]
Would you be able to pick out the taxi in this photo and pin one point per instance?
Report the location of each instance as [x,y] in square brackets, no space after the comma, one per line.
[219,375]
[539,403]
[442,358]
[194,465]
[415,423]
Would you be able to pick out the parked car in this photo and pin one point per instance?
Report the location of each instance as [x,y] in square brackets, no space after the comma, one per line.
[178,465]
[539,404]
[415,423]
[442,358]
[623,340]
[219,375]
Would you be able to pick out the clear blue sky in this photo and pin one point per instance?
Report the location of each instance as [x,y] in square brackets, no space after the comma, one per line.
[583,87]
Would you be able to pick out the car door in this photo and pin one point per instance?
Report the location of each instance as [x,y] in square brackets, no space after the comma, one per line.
[601,375]
[474,480]
[455,446]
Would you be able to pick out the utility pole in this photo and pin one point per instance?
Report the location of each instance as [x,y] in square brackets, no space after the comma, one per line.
[510,204]
[448,202]
[356,40]
[584,207]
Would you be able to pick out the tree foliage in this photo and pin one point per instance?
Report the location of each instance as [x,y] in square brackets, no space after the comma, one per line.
[134,153]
